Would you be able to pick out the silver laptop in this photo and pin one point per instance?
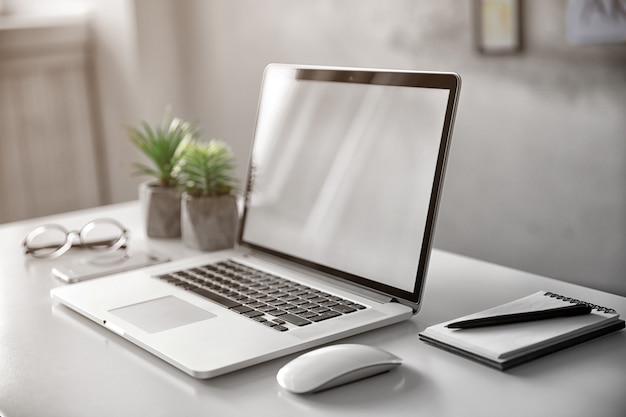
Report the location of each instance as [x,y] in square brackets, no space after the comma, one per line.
[345,175]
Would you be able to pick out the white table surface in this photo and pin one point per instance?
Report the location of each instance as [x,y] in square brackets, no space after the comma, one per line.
[54,362]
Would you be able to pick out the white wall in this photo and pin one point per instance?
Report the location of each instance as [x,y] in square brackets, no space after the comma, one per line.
[538,163]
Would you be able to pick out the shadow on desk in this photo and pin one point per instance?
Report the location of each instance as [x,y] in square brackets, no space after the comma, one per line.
[123,354]
[431,381]
[402,381]
[583,356]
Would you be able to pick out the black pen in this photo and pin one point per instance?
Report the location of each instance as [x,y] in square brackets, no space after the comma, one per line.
[573,310]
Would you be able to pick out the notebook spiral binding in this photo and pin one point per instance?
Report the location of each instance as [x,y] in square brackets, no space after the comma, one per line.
[575,301]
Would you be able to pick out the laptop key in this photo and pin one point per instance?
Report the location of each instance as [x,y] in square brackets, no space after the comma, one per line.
[355,305]
[256,304]
[185,285]
[242,309]
[226,302]
[293,319]
[266,308]
[309,296]
[308,315]
[253,313]
[325,316]
[167,277]
[330,303]
[343,309]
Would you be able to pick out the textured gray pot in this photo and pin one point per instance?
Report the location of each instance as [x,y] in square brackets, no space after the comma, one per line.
[209,223]
[161,210]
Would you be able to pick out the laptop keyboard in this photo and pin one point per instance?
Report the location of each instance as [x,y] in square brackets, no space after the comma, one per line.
[263,297]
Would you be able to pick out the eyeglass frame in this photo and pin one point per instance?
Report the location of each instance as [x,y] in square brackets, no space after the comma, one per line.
[70,237]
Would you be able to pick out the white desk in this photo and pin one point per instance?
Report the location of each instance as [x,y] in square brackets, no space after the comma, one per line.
[54,362]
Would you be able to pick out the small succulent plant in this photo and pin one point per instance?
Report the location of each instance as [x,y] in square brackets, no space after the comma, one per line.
[164,146]
[207,169]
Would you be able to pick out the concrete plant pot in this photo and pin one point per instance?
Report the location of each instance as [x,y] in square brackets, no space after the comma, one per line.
[209,223]
[161,210]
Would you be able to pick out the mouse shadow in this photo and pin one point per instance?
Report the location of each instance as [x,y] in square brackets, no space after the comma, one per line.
[397,383]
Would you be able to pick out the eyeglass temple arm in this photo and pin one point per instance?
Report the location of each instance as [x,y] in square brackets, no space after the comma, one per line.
[105,242]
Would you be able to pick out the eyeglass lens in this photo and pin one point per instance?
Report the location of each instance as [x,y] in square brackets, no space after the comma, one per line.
[100,234]
[46,240]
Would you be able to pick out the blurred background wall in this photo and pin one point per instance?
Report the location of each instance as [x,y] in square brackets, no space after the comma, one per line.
[537,171]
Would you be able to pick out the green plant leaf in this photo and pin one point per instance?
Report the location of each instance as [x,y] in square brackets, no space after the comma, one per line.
[164,146]
[207,169]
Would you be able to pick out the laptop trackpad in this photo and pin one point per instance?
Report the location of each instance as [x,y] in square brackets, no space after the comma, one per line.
[161,314]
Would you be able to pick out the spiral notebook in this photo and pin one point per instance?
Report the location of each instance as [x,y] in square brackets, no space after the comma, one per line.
[510,345]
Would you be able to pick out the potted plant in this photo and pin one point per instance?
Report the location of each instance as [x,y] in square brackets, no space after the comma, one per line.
[164,146]
[209,207]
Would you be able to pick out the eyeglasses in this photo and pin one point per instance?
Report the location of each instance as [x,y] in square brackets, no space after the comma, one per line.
[52,240]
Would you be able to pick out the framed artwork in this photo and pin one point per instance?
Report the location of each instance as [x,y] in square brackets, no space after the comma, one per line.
[498,26]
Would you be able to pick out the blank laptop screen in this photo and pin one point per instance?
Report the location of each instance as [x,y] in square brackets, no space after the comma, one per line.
[344,172]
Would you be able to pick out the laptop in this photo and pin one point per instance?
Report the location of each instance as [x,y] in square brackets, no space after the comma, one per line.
[345,174]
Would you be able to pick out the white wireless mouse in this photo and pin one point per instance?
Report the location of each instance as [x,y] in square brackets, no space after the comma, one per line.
[335,365]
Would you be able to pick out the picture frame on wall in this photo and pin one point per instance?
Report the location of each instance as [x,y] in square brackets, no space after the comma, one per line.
[498,26]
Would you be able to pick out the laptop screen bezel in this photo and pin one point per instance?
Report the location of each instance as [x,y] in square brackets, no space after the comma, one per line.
[438,80]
